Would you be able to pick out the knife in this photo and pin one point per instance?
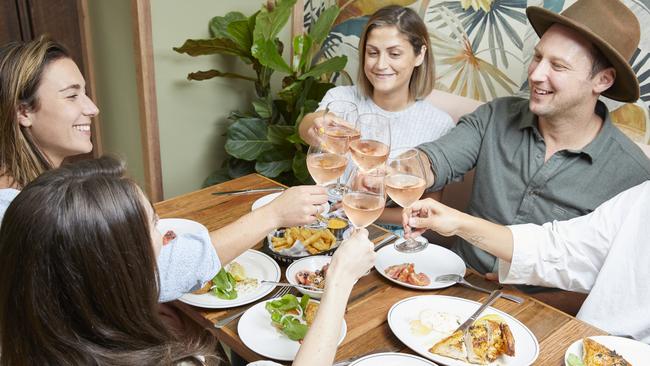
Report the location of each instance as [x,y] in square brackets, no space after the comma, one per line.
[249,191]
[491,299]
[386,241]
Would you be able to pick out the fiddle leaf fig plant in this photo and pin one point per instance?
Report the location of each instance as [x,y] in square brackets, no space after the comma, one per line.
[265,138]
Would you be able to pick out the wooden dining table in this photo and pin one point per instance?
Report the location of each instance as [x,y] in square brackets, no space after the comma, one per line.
[366,316]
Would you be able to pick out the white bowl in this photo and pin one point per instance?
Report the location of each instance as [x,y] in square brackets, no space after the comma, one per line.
[311,263]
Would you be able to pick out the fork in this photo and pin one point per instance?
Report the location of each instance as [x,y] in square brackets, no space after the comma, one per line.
[223,322]
[456,278]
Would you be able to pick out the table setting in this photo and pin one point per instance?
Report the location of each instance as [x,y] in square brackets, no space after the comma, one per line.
[404,312]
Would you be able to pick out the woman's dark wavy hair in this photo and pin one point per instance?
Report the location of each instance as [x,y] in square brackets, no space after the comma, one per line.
[79,281]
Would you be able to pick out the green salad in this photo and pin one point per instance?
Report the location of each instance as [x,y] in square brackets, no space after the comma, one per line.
[231,278]
[574,360]
[292,316]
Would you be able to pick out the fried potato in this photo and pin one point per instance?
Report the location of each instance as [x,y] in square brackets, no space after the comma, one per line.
[314,240]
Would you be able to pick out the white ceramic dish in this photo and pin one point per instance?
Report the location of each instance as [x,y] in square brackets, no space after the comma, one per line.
[392,359]
[403,312]
[635,352]
[312,264]
[432,261]
[257,265]
[265,200]
[257,333]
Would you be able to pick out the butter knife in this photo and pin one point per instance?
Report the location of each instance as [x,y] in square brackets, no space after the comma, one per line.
[249,191]
[491,299]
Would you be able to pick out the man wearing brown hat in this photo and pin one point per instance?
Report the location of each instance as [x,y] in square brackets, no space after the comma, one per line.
[556,155]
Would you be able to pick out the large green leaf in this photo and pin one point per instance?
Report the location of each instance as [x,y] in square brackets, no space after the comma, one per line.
[333,64]
[273,163]
[278,134]
[263,107]
[301,50]
[219,25]
[200,47]
[271,21]
[266,52]
[246,139]
[321,28]
[299,166]
[205,75]
[238,167]
[242,33]
[290,93]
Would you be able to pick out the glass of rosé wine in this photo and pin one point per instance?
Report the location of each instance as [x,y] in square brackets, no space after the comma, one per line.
[336,133]
[405,183]
[365,198]
[371,150]
[325,166]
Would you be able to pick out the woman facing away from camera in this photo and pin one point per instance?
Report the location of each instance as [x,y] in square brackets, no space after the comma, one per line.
[46,116]
[396,72]
[80,285]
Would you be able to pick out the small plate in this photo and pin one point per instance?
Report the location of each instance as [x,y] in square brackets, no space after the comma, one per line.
[257,333]
[265,200]
[392,359]
[635,352]
[403,312]
[432,261]
[257,265]
[313,263]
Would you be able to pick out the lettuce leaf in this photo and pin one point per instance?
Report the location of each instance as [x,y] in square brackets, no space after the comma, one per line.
[224,284]
[284,315]
[574,360]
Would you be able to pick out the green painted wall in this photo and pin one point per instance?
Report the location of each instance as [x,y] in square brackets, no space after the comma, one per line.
[117,98]
[191,115]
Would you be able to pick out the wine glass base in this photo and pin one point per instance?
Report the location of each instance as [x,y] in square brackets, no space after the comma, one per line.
[411,245]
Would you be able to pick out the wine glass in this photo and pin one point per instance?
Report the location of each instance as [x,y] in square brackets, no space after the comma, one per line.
[371,150]
[405,184]
[337,136]
[324,165]
[364,199]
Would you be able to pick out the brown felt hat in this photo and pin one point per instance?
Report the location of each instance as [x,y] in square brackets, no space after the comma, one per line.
[610,26]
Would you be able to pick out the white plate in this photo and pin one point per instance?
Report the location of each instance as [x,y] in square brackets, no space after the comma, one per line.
[257,265]
[432,261]
[401,314]
[635,352]
[391,359]
[265,200]
[257,333]
[312,263]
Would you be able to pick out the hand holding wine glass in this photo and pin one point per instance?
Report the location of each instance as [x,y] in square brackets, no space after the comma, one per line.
[405,184]
[364,200]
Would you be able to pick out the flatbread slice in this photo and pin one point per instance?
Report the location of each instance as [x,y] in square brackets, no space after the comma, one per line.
[595,354]
[452,346]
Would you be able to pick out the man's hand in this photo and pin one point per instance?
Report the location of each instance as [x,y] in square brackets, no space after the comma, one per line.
[429,214]
[296,206]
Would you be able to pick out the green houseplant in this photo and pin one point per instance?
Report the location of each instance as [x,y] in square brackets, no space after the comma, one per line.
[265,138]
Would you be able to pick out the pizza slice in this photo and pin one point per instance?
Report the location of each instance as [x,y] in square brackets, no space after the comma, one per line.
[595,354]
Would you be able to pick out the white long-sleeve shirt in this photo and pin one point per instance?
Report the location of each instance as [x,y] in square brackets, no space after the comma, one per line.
[605,253]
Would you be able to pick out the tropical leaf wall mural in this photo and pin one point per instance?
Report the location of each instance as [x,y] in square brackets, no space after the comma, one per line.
[482,48]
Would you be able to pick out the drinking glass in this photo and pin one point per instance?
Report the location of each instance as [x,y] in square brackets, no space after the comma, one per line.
[337,136]
[364,199]
[405,184]
[325,166]
[371,150]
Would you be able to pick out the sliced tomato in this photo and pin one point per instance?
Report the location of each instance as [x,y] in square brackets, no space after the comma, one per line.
[418,279]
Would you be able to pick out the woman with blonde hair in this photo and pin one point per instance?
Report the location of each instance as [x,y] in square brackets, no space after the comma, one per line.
[396,73]
[45,114]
